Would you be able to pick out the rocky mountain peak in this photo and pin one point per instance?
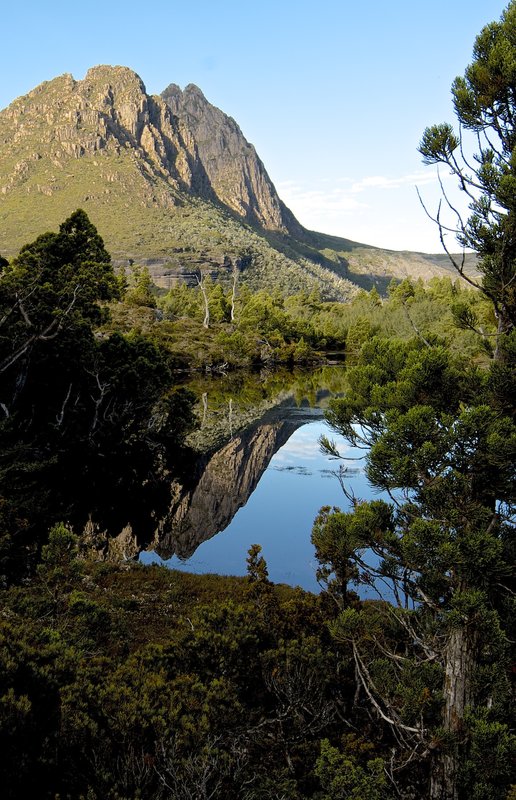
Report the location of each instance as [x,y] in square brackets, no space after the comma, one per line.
[117,75]
[227,161]
[192,90]
[174,143]
[157,175]
[109,115]
[174,95]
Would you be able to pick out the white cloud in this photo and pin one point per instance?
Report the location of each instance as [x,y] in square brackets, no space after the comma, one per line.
[381,210]
[341,197]
[318,200]
[382,182]
[296,449]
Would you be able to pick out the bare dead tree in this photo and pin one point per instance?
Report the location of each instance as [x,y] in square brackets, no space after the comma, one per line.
[202,287]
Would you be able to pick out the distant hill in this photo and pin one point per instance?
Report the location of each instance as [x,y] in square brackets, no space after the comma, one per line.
[172,183]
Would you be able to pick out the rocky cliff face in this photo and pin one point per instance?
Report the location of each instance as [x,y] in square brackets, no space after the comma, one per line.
[170,182]
[108,113]
[221,483]
[228,166]
[162,146]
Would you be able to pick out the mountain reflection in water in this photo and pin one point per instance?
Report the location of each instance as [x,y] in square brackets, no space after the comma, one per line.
[263,483]
[226,481]
[279,514]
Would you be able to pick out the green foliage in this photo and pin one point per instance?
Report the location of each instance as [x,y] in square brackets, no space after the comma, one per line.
[256,565]
[57,282]
[299,328]
[342,778]
[267,327]
[438,143]
[440,440]
[184,687]
[139,292]
[484,105]
[135,682]
[59,563]
[71,397]
[490,758]
[438,551]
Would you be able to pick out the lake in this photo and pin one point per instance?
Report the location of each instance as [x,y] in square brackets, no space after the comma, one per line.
[263,484]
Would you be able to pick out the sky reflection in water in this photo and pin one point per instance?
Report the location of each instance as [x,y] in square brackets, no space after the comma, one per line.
[280,513]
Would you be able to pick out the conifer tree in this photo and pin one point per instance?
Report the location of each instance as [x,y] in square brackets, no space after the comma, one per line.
[485,106]
[440,440]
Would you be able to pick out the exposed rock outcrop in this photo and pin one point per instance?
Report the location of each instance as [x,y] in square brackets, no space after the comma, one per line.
[170,179]
[177,142]
[225,163]
[107,112]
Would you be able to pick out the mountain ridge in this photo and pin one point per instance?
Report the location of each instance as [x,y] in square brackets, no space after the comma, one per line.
[168,180]
[236,174]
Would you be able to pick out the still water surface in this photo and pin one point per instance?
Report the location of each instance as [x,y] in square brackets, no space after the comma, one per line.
[279,514]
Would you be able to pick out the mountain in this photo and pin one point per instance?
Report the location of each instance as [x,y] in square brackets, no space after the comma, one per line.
[235,174]
[170,182]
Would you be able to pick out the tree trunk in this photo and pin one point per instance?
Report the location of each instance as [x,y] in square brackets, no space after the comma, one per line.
[504,327]
[233,293]
[200,283]
[459,664]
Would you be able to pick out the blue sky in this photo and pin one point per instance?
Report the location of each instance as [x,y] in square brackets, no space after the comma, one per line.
[334,95]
